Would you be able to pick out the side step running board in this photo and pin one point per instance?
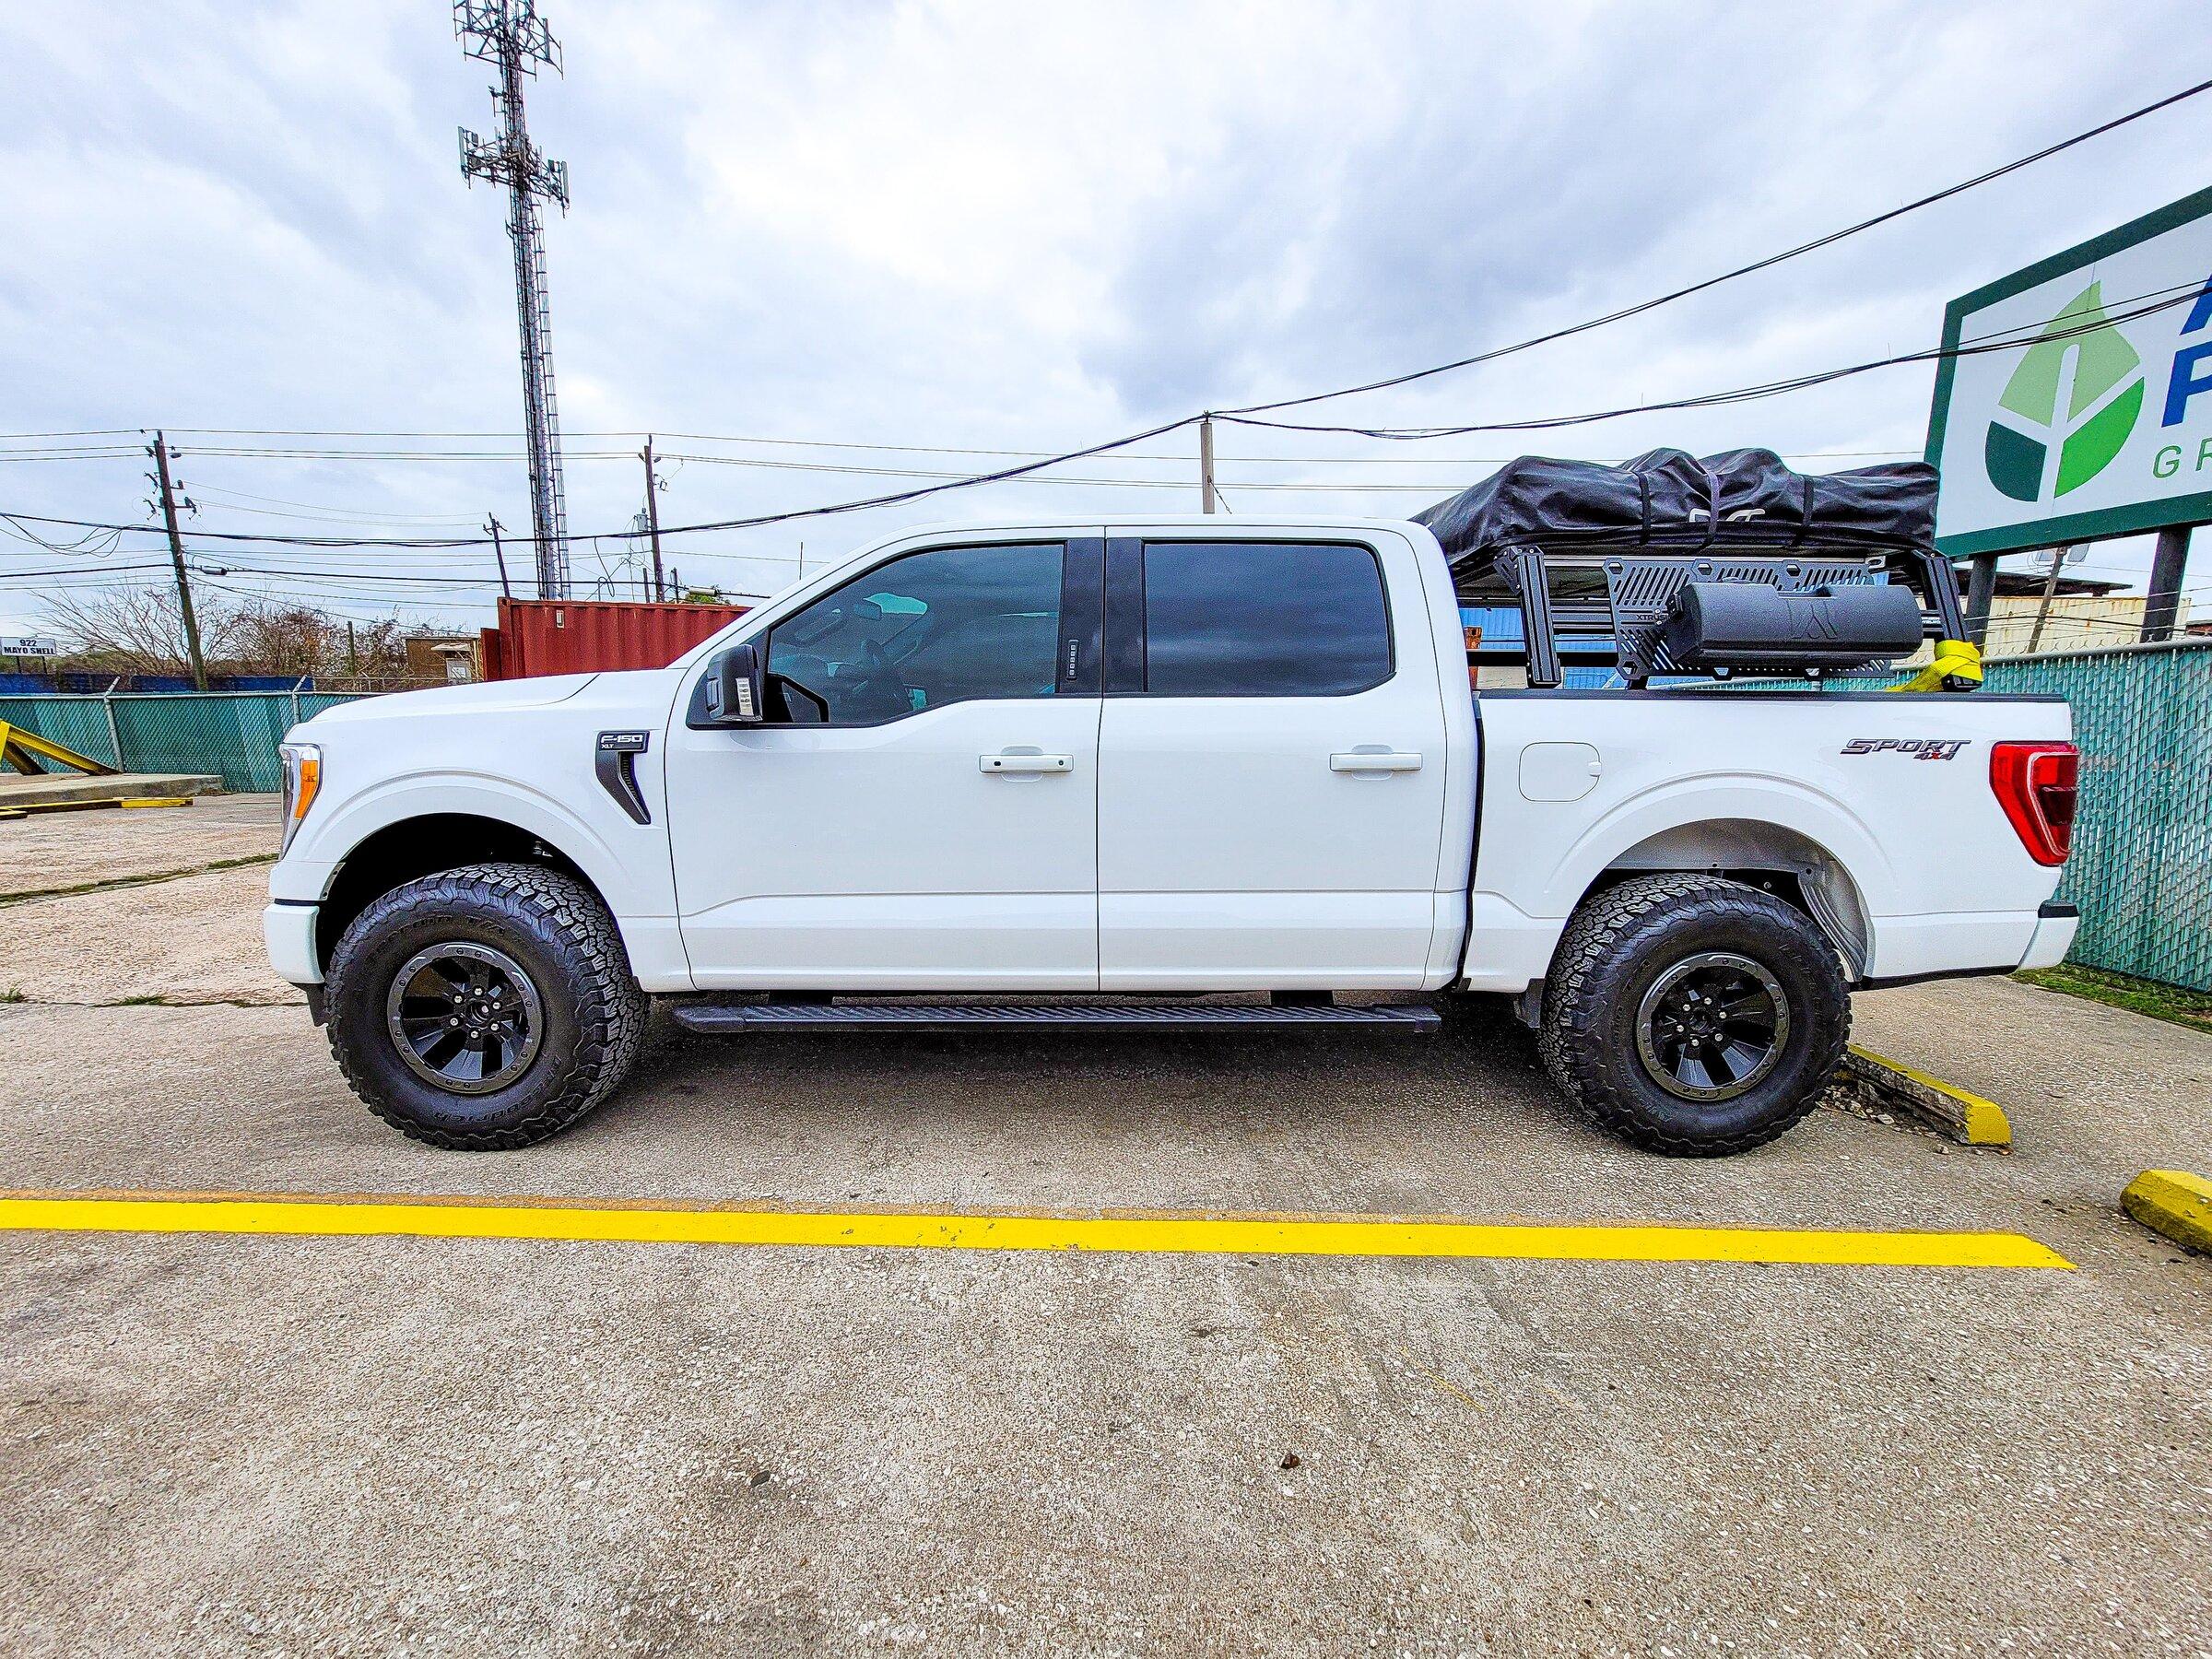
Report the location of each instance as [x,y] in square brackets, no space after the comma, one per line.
[730,1018]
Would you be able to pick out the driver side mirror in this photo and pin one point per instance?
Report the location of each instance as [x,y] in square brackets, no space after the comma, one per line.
[737,693]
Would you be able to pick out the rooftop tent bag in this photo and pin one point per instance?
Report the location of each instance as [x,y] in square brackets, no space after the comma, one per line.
[1598,557]
[1672,502]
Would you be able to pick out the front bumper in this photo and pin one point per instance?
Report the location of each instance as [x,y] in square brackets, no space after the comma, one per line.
[288,931]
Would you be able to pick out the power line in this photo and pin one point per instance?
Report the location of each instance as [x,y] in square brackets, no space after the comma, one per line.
[926,449]
[1767,263]
[83,432]
[893,499]
[1244,413]
[2002,340]
[2011,340]
[371,515]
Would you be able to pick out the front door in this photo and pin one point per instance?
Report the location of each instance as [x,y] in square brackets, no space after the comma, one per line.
[1272,765]
[920,812]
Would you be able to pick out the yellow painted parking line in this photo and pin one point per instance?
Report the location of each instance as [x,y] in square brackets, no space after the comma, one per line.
[361,1216]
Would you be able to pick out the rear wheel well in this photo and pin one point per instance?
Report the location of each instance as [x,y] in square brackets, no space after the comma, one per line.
[423,846]
[1793,868]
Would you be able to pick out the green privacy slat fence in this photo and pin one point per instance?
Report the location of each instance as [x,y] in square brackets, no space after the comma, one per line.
[2141,869]
[233,734]
[2142,864]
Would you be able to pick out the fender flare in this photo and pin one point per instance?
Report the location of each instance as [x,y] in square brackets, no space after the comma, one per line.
[439,794]
[1828,823]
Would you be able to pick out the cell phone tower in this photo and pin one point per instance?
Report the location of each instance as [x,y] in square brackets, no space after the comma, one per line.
[511,35]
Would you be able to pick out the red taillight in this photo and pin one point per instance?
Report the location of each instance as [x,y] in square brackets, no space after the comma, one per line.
[2036,784]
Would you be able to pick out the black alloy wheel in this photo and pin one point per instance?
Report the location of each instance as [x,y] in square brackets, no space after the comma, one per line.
[1712,1026]
[464,1017]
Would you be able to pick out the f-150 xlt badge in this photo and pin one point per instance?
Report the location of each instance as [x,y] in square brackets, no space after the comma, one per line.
[616,763]
[1920,749]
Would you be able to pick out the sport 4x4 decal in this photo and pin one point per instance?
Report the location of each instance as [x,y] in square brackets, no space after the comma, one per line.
[1920,749]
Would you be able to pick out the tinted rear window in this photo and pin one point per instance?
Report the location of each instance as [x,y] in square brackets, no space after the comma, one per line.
[1263,619]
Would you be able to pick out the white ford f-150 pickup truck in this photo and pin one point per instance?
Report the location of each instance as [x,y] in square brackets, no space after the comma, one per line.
[1122,771]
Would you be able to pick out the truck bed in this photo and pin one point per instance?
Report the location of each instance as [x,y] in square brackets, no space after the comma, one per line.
[1879,803]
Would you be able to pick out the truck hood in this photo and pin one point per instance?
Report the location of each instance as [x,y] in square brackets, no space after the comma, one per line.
[532,693]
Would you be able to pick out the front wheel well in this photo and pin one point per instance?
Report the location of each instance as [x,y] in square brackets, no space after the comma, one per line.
[423,846]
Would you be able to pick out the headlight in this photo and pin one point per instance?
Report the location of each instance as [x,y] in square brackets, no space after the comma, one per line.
[303,778]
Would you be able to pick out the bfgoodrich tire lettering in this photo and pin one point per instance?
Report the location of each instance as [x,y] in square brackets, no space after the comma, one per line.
[1627,941]
[550,926]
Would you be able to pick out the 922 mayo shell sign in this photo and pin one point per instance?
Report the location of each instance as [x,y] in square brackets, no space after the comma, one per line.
[2100,423]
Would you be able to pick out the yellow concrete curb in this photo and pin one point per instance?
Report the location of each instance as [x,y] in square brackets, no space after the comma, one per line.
[2172,1202]
[1966,1118]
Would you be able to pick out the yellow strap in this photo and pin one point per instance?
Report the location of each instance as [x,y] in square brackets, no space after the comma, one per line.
[1958,665]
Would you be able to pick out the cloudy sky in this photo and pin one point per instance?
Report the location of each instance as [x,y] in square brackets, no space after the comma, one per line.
[982,226]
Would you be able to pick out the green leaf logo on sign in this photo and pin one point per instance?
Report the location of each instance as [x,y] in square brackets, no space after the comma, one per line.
[2069,406]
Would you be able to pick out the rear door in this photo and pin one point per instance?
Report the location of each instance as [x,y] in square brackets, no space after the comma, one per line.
[920,810]
[1272,764]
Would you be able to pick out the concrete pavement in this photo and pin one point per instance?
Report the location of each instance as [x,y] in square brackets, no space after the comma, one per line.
[352,1445]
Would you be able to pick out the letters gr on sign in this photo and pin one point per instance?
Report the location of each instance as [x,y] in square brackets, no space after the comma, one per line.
[2099,421]
[1920,749]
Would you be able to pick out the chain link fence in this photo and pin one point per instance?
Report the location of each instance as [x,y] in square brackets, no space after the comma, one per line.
[232,734]
[2141,869]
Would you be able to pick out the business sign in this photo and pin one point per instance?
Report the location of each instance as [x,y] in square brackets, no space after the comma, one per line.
[2098,422]
[28,646]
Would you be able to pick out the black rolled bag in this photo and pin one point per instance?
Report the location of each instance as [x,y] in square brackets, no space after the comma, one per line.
[1671,500]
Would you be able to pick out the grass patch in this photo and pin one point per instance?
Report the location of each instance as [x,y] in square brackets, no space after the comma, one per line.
[2175,1004]
[14,993]
[29,894]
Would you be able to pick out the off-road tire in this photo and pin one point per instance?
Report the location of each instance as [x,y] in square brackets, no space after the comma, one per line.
[556,929]
[1618,944]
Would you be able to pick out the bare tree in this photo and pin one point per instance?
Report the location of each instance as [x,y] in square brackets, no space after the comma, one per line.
[138,630]
[129,629]
[378,650]
[267,636]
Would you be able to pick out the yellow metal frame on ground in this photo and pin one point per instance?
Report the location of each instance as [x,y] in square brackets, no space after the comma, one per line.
[23,749]
[28,808]
[1147,1233]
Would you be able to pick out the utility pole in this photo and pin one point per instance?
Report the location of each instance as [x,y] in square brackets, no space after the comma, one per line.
[1981,592]
[653,519]
[1206,463]
[176,560]
[2043,611]
[511,36]
[2163,606]
[498,554]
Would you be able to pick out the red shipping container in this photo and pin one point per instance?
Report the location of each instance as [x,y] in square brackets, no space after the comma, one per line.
[591,636]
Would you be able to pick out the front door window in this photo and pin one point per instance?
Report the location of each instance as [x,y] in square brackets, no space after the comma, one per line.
[948,626]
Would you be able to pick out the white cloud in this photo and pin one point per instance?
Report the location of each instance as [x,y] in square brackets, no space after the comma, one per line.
[1012,226]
